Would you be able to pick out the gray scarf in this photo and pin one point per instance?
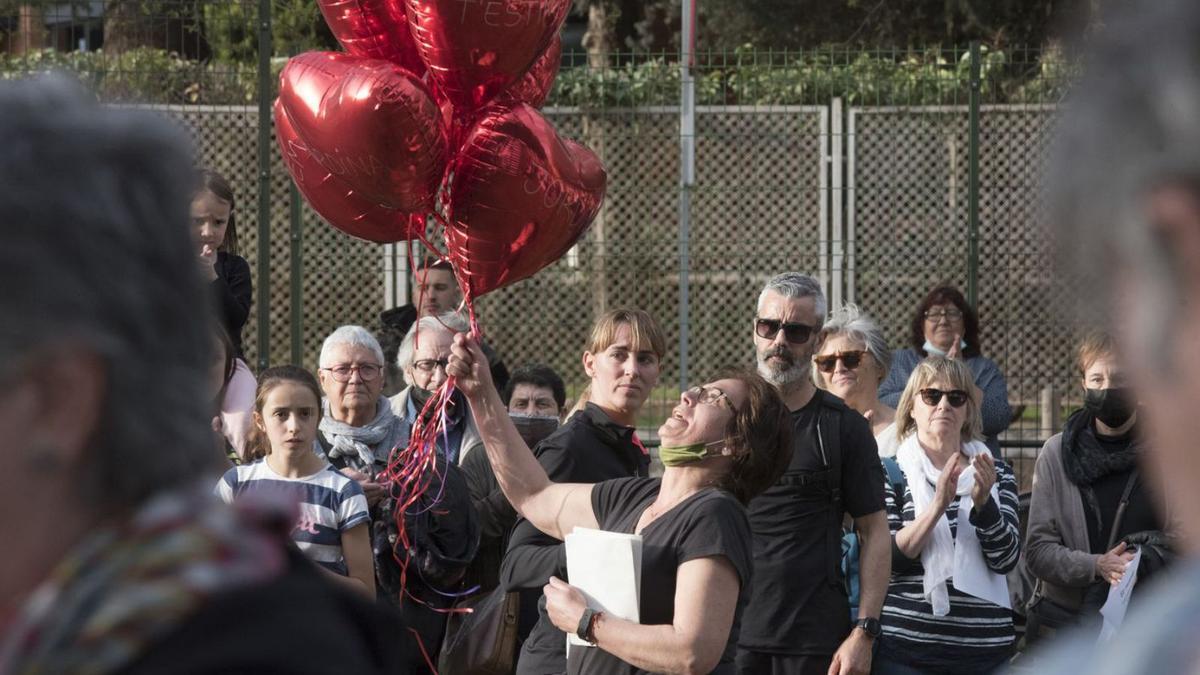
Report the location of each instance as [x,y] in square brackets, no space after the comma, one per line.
[355,444]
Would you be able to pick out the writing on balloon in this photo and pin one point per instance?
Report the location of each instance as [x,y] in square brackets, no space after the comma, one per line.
[502,13]
[555,197]
[343,165]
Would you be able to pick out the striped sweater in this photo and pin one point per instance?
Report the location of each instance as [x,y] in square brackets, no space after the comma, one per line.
[976,632]
[328,504]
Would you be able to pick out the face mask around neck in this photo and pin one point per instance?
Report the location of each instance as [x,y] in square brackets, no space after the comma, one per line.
[934,351]
[678,455]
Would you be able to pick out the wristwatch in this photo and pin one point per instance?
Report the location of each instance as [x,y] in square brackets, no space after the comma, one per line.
[584,630]
[870,626]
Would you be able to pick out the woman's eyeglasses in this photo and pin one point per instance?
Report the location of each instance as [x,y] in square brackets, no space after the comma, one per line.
[936,315]
[368,372]
[795,333]
[709,396]
[828,362]
[932,397]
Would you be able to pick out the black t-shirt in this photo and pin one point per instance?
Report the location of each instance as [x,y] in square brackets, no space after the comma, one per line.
[797,607]
[589,448]
[706,524]
[1140,514]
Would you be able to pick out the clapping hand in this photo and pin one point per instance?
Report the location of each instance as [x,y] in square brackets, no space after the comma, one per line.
[985,478]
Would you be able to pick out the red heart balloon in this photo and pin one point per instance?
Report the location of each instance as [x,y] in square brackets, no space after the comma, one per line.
[335,201]
[370,123]
[520,197]
[534,86]
[373,29]
[476,48]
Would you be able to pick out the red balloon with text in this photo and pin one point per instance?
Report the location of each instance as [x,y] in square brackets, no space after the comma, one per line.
[335,201]
[519,199]
[370,123]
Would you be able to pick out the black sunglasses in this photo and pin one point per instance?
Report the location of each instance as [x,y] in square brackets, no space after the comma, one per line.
[827,363]
[795,333]
[932,397]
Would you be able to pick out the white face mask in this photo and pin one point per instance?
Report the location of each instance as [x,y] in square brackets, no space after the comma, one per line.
[934,351]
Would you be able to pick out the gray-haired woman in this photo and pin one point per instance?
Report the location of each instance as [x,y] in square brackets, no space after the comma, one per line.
[852,360]
[112,562]
[358,428]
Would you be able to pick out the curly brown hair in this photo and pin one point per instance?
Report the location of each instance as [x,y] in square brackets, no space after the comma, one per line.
[763,427]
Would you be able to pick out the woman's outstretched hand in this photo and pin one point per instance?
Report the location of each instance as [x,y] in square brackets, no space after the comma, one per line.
[468,366]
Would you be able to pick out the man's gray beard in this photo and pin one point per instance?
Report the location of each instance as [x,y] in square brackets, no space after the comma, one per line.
[783,378]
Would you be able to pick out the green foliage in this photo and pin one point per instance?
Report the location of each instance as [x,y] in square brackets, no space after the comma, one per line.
[296,26]
[749,77]
[144,76]
[745,77]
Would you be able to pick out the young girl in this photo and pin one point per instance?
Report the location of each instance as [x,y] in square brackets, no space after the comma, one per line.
[228,274]
[333,528]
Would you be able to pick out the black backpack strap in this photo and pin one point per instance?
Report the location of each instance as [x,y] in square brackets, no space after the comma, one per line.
[829,444]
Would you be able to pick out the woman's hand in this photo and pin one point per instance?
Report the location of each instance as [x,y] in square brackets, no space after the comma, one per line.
[947,484]
[468,366]
[1111,566]
[564,605]
[208,262]
[985,478]
[955,351]
[374,492]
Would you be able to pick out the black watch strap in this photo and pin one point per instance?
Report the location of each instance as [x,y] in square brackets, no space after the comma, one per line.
[585,622]
[872,627]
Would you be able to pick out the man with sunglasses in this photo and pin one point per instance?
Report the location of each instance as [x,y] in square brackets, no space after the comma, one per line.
[798,620]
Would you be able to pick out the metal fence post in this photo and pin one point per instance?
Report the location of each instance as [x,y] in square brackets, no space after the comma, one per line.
[973,181]
[295,269]
[687,175]
[264,184]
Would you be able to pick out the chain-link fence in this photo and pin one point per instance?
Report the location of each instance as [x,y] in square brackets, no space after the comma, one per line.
[882,172]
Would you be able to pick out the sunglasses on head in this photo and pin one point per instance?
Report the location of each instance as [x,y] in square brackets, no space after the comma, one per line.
[932,397]
[828,362]
[795,333]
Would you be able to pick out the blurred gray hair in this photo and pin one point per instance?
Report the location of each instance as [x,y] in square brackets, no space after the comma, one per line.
[796,285]
[452,322]
[97,252]
[1132,124]
[852,322]
[355,336]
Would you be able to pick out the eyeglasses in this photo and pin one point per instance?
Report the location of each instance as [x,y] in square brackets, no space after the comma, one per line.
[367,372]
[709,396]
[932,397]
[936,315]
[795,333]
[428,365]
[828,362]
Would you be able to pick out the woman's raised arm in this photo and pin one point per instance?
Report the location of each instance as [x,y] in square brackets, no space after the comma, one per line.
[554,508]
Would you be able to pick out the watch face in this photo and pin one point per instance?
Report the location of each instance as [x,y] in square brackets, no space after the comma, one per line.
[871,626]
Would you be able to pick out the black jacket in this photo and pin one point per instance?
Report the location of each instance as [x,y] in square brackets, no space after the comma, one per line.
[589,448]
[231,292]
[299,622]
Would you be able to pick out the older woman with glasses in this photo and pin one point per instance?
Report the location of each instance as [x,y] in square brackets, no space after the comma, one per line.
[852,360]
[358,428]
[723,444]
[945,325]
[955,528]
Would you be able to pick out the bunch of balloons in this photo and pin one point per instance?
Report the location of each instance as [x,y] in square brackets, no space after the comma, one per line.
[432,111]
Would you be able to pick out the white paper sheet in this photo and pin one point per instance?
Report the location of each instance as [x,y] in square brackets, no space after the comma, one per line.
[971,573]
[607,568]
[1114,608]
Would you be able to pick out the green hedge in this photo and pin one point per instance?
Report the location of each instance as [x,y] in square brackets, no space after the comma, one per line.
[745,77]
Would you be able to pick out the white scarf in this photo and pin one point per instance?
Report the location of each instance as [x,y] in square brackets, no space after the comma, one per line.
[946,557]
